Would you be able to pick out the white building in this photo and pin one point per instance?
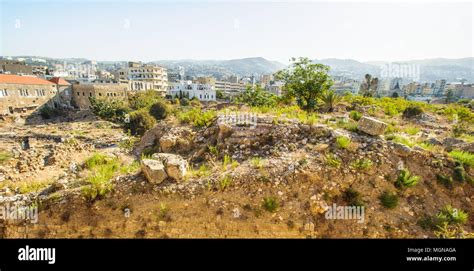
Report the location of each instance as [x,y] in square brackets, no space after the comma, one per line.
[187,89]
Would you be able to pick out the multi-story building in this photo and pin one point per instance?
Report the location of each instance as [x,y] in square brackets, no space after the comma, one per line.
[230,89]
[149,73]
[187,89]
[15,67]
[23,94]
[439,88]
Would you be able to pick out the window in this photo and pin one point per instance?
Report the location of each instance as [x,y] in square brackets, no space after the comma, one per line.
[3,93]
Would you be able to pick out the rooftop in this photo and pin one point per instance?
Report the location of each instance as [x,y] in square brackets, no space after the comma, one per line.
[22,80]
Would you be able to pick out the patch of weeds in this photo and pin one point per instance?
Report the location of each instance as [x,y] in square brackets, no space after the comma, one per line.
[451,216]
[444,180]
[389,200]
[343,142]
[225,182]
[355,115]
[213,150]
[203,171]
[257,162]
[362,164]
[466,158]
[270,204]
[352,197]
[405,179]
[4,156]
[164,212]
[228,161]
[332,160]
[411,130]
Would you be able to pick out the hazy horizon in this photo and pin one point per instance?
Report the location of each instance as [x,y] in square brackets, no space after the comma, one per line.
[161,30]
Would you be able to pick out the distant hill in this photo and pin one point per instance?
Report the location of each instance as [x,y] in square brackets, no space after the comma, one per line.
[220,68]
[430,69]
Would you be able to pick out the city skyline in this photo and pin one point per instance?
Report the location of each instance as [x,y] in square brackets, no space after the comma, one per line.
[149,31]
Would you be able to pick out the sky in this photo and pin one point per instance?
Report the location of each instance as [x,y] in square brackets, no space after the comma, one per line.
[165,30]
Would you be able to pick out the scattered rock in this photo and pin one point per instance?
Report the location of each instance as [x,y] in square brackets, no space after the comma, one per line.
[372,126]
[153,170]
[175,165]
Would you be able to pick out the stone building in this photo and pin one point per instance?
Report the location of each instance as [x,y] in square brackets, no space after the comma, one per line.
[81,93]
[64,89]
[23,94]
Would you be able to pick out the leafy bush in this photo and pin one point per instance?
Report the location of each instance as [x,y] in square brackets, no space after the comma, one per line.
[413,111]
[144,99]
[405,179]
[183,102]
[197,117]
[257,97]
[140,121]
[343,142]
[330,99]
[102,169]
[270,204]
[466,158]
[48,112]
[355,115]
[389,199]
[111,110]
[159,110]
[459,174]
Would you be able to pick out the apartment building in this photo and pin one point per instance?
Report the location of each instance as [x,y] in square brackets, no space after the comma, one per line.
[187,89]
[230,88]
[156,75]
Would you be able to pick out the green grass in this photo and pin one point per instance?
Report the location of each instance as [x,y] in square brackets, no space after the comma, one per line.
[343,142]
[411,130]
[362,164]
[203,171]
[257,162]
[389,200]
[4,156]
[270,204]
[213,150]
[228,161]
[400,139]
[197,117]
[355,115]
[332,160]
[405,179]
[225,182]
[466,158]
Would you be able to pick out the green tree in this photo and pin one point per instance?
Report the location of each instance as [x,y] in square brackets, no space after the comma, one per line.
[306,81]
[369,86]
[257,97]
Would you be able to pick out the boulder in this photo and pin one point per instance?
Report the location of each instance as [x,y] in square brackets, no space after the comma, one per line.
[401,149]
[372,126]
[175,165]
[154,170]
[167,143]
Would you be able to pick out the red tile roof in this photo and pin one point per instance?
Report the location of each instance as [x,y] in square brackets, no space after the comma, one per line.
[22,80]
[59,81]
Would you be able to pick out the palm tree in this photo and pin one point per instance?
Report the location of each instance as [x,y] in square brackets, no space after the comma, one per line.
[330,99]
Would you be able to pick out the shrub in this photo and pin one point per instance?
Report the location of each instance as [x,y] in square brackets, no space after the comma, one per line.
[355,115]
[113,110]
[330,99]
[257,97]
[412,130]
[256,162]
[343,142]
[102,168]
[144,99]
[466,158]
[389,199]
[229,161]
[413,111]
[140,121]
[159,110]
[183,102]
[197,117]
[405,179]
[352,197]
[459,174]
[48,112]
[270,204]
[444,180]
[451,216]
